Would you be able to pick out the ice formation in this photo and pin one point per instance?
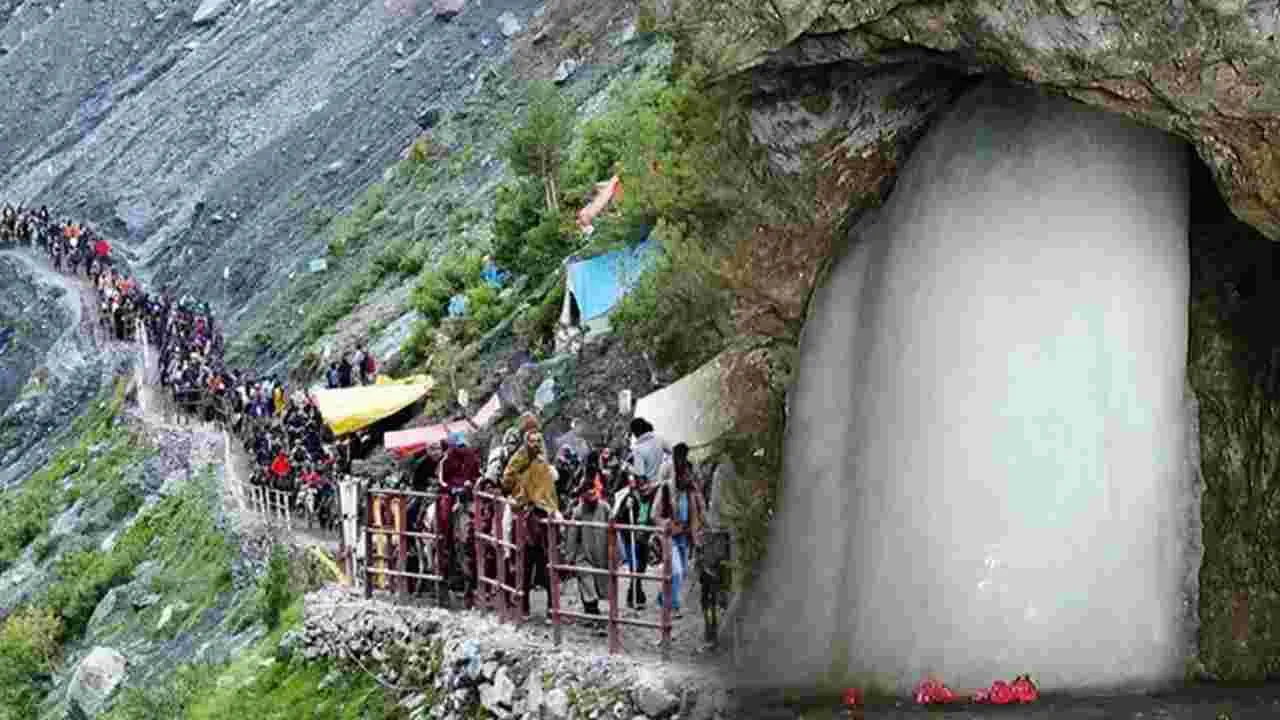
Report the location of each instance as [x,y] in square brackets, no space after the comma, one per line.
[987,440]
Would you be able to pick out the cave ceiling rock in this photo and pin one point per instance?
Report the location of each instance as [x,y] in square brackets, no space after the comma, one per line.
[1207,71]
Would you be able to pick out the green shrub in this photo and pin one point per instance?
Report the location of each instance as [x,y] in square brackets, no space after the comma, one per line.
[179,532]
[412,262]
[273,588]
[454,274]
[537,146]
[25,513]
[679,310]
[538,325]
[30,645]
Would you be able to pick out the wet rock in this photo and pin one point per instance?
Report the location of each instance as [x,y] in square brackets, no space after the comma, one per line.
[96,679]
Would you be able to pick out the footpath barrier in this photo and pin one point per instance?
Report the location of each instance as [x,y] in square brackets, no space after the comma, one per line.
[386,530]
[614,621]
[500,556]
[498,564]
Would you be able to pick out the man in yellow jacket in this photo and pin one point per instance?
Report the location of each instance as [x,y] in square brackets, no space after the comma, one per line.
[531,481]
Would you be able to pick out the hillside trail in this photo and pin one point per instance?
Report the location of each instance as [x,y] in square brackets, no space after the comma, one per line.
[182,442]
[186,445]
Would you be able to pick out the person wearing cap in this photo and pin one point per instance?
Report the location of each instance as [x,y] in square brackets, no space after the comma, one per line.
[589,546]
[459,469]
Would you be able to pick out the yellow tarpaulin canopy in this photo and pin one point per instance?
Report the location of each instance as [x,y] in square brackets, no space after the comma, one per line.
[347,410]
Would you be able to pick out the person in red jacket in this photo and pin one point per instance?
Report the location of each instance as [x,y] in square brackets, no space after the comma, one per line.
[459,469]
[280,468]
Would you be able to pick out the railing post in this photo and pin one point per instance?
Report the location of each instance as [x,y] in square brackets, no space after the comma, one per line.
[615,636]
[499,547]
[402,550]
[553,574]
[440,547]
[667,600]
[519,535]
[372,559]
[480,591]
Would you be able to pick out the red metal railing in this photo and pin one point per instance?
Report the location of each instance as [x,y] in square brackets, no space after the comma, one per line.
[499,569]
[493,590]
[393,522]
[614,621]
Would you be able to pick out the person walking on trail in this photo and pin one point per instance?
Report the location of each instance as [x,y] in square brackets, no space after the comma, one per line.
[681,509]
[647,452]
[331,377]
[530,481]
[459,469]
[589,547]
[631,507]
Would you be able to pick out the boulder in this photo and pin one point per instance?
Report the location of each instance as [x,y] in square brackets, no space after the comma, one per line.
[565,70]
[653,699]
[496,697]
[556,704]
[447,10]
[209,10]
[95,679]
[509,24]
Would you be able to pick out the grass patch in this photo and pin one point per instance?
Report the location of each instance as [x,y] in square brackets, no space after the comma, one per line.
[98,454]
[262,685]
[178,532]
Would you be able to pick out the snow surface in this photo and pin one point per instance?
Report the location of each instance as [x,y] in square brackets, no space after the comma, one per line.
[987,441]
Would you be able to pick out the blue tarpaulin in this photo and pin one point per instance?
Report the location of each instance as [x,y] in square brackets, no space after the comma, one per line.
[600,282]
[458,305]
[492,275]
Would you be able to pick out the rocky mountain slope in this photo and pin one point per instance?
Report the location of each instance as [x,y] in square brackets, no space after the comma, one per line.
[204,145]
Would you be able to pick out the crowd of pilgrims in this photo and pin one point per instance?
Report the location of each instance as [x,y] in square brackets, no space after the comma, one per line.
[293,449]
[648,483]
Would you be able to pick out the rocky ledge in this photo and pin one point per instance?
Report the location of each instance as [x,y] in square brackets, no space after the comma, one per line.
[444,664]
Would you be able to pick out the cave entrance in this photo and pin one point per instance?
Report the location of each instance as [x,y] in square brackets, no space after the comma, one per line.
[1233,367]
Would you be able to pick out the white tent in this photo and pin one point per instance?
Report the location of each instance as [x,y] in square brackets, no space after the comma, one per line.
[692,410]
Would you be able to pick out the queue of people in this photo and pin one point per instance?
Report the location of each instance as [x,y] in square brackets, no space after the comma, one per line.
[647,484]
[654,485]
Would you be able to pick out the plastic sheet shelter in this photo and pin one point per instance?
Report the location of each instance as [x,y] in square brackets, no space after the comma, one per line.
[606,192]
[690,411]
[595,285]
[347,410]
[414,440]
